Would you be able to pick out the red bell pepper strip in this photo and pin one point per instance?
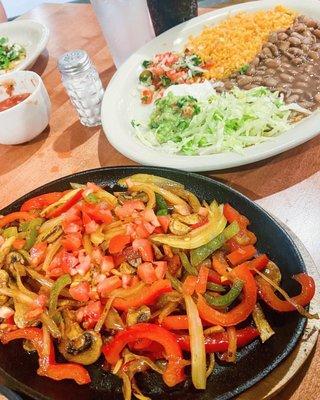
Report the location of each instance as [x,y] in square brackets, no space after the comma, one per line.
[39,202]
[35,336]
[7,219]
[268,295]
[174,370]
[214,277]
[232,214]
[146,296]
[241,311]
[258,263]
[66,206]
[177,322]
[242,254]
[218,342]
[59,372]
[47,364]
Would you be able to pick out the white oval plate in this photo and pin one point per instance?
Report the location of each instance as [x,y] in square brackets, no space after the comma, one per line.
[30,34]
[121,102]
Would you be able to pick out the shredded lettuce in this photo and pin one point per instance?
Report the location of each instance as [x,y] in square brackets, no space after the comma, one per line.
[224,122]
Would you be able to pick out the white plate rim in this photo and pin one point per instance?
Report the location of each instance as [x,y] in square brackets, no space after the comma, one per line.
[130,147]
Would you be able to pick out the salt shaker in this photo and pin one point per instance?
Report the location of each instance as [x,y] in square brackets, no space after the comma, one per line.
[83,85]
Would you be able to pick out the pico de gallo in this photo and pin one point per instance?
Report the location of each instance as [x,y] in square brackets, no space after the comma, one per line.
[168,69]
[148,277]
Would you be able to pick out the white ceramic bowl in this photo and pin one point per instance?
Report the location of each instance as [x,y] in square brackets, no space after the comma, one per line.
[32,35]
[28,119]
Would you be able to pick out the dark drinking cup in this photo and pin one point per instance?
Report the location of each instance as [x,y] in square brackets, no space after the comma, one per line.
[168,13]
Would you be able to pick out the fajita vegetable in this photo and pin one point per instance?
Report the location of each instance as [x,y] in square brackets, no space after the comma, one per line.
[150,277]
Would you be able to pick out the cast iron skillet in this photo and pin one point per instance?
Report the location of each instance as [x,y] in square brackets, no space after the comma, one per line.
[254,362]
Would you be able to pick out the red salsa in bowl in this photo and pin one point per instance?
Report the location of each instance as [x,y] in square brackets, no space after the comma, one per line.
[13,101]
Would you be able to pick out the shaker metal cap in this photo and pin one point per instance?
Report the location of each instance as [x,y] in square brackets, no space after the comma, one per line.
[74,62]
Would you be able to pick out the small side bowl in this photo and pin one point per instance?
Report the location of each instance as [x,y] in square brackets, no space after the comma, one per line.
[26,120]
[30,34]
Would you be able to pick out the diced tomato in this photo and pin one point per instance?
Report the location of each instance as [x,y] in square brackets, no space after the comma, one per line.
[81,291]
[18,244]
[158,230]
[128,208]
[90,314]
[189,285]
[161,268]
[118,243]
[146,272]
[98,212]
[126,280]
[109,284]
[91,227]
[107,264]
[151,217]
[140,232]
[176,76]
[119,258]
[146,96]
[72,224]
[62,263]
[145,248]
[72,241]
[149,227]
[84,264]
[164,222]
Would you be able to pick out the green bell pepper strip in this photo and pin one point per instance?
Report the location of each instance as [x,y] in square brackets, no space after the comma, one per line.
[201,253]
[176,284]
[228,298]
[162,207]
[186,264]
[215,287]
[11,231]
[56,289]
[32,232]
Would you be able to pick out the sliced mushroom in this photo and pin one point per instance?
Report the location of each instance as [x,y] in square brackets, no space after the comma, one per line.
[178,228]
[125,196]
[142,314]
[77,345]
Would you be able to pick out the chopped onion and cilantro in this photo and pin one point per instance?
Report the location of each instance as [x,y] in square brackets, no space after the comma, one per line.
[225,122]
[10,54]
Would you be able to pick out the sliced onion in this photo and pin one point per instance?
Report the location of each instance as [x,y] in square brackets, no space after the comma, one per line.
[197,347]
[104,314]
[261,323]
[211,364]
[232,345]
